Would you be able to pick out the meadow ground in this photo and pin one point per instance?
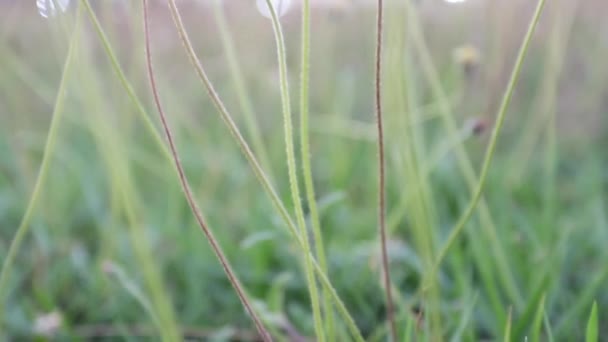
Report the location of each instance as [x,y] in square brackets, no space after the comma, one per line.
[111,250]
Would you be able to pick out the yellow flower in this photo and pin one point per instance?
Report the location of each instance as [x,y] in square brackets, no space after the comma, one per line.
[467,56]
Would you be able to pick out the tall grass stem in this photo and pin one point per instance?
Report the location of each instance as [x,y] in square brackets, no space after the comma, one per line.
[257,169]
[382,174]
[49,150]
[292,170]
[506,100]
[264,334]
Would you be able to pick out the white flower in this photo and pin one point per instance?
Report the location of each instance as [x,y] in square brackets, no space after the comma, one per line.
[280,6]
[50,8]
[48,324]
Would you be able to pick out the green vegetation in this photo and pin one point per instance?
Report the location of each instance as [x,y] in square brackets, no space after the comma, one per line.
[496,226]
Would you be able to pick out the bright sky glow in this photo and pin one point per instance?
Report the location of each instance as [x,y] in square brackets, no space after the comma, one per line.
[49,8]
[280,6]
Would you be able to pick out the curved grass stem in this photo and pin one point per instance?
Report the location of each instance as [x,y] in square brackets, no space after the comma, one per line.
[240,88]
[264,334]
[259,172]
[49,149]
[505,273]
[506,100]
[141,111]
[257,169]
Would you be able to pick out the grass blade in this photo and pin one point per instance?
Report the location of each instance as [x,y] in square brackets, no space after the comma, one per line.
[134,290]
[534,302]
[548,329]
[538,321]
[307,167]
[506,100]
[592,332]
[243,96]
[292,170]
[507,332]
[49,150]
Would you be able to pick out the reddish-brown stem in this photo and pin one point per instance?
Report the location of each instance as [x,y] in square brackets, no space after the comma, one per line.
[381,177]
[188,191]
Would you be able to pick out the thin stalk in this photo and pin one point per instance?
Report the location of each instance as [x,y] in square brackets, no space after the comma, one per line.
[242,95]
[307,167]
[506,100]
[257,169]
[111,145]
[132,288]
[141,111]
[49,149]
[169,330]
[259,172]
[562,31]
[421,213]
[558,42]
[382,175]
[464,163]
[291,168]
[264,334]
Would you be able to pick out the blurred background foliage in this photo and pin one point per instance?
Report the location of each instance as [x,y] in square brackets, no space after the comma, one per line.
[538,236]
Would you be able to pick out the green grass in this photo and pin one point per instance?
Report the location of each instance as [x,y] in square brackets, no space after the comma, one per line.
[107,239]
